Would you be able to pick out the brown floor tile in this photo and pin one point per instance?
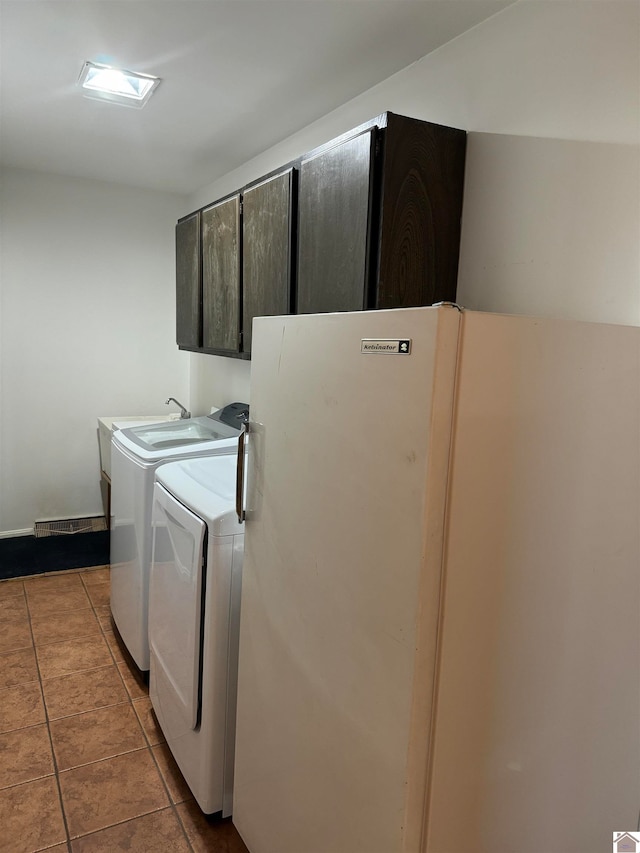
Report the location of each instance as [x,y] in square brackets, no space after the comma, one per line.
[159,832]
[148,721]
[21,706]
[52,583]
[107,792]
[104,617]
[94,576]
[209,835]
[57,600]
[25,754]
[115,796]
[99,594]
[136,686]
[95,735]
[83,691]
[10,588]
[13,607]
[72,656]
[178,788]
[17,668]
[55,627]
[15,634]
[31,817]
[117,647]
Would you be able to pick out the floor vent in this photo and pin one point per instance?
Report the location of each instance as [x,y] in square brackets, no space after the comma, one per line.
[69,526]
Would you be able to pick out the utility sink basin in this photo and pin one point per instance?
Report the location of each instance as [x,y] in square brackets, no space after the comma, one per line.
[179,433]
[106,425]
[175,442]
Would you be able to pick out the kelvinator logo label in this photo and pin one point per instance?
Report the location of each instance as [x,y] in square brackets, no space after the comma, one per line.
[400,346]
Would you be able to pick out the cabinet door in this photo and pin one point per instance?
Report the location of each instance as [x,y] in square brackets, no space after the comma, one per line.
[266,251]
[334,227]
[422,186]
[221,275]
[188,283]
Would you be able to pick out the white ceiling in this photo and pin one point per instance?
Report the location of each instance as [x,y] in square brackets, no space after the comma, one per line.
[238,76]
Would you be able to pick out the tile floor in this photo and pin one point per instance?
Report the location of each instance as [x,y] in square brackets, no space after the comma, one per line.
[83,765]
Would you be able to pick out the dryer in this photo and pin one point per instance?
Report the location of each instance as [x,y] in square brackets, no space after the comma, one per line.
[136,455]
[194,618]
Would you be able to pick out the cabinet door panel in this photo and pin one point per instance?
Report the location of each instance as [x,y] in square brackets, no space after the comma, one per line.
[423,179]
[333,227]
[188,283]
[266,251]
[221,275]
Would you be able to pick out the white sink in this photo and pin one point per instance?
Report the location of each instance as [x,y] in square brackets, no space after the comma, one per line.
[179,433]
[107,424]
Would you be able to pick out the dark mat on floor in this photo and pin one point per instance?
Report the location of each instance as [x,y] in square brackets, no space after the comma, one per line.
[26,555]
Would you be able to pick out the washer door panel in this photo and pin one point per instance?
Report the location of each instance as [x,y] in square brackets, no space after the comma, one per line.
[175,600]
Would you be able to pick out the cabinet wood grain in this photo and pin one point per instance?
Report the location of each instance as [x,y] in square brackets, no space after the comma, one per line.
[266,257]
[369,220]
[333,223]
[221,275]
[421,205]
[188,282]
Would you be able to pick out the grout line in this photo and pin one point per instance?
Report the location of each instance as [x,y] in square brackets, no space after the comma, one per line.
[129,699]
[126,701]
[174,806]
[103,759]
[119,823]
[47,722]
[149,746]
[57,770]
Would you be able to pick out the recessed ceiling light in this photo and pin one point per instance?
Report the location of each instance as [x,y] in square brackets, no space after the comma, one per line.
[106,83]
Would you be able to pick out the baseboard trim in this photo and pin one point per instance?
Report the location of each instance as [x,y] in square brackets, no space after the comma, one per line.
[7,534]
[22,556]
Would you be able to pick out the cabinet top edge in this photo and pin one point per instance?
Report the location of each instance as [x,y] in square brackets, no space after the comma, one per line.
[381,122]
[285,171]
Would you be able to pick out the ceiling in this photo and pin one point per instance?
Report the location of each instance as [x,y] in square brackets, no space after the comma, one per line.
[238,76]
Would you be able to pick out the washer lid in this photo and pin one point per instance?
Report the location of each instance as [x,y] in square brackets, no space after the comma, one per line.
[207,486]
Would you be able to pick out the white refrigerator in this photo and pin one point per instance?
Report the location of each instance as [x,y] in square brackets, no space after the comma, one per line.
[440,632]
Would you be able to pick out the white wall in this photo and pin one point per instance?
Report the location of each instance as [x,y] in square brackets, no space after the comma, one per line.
[87,328]
[551,227]
[549,91]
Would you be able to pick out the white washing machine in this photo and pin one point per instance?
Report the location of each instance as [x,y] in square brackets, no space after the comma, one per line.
[136,454]
[194,621]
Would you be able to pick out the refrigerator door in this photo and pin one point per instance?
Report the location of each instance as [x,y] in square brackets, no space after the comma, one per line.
[348,453]
[537,743]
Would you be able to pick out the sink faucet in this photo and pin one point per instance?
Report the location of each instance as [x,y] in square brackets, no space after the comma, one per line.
[183,412]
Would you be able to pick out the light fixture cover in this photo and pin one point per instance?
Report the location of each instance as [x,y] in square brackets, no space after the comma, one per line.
[105,83]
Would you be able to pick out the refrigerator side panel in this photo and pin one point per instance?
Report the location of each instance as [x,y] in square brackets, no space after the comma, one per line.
[537,741]
[430,582]
[334,541]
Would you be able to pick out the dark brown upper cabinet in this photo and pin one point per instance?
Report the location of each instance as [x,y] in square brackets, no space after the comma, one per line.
[333,226]
[188,283]
[267,228]
[221,276]
[369,220]
[379,217]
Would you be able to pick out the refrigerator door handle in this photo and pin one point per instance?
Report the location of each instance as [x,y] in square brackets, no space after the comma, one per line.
[240,473]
